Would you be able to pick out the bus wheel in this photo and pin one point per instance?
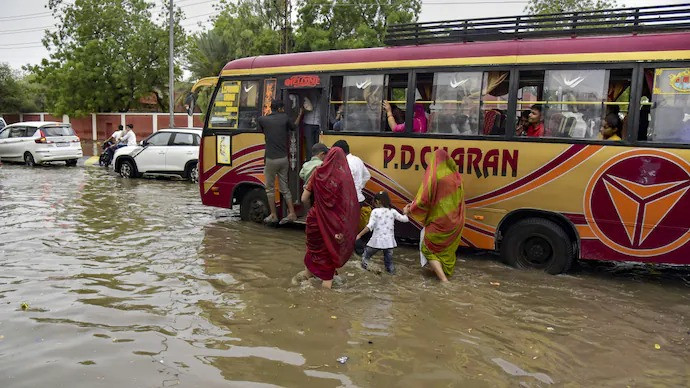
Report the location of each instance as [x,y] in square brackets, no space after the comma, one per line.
[538,243]
[254,206]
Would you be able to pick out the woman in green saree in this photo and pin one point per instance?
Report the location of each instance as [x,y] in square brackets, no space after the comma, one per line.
[440,207]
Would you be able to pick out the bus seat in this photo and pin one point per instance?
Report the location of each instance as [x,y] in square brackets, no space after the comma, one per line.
[555,125]
[490,118]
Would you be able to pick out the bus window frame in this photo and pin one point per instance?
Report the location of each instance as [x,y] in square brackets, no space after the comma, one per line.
[639,78]
[460,69]
[384,72]
[207,131]
[625,142]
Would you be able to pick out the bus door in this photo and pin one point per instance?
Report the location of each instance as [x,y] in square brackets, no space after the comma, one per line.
[292,100]
[295,89]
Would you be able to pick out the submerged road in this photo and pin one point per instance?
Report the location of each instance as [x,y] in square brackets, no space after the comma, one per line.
[134,283]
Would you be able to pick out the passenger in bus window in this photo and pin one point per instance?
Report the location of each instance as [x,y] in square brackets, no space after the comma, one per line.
[684,132]
[611,128]
[523,123]
[395,120]
[338,123]
[536,122]
[419,121]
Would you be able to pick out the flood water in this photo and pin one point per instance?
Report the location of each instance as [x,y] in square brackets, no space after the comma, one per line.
[136,284]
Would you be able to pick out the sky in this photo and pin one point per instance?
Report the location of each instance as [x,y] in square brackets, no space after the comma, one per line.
[23,22]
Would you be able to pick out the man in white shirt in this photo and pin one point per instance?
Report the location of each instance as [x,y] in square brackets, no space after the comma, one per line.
[360,172]
[111,144]
[115,137]
[129,138]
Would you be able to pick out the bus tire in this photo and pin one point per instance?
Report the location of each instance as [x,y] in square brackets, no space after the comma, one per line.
[538,243]
[254,206]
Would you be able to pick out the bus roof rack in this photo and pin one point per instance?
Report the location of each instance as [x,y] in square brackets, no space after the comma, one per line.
[615,21]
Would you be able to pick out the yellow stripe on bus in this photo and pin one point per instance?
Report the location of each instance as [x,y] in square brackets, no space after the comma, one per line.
[492,60]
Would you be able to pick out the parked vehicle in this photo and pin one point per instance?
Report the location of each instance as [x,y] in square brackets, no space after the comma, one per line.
[3,124]
[166,152]
[36,142]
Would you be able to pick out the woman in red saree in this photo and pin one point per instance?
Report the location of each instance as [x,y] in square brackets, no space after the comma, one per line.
[440,206]
[333,218]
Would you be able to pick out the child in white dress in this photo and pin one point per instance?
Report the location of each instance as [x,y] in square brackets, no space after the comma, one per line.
[381,224]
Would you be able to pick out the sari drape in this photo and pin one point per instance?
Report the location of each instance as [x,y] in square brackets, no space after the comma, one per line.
[335,210]
[440,207]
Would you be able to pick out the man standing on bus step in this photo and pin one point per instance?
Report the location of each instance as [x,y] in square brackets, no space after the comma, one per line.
[312,118]
[276,127]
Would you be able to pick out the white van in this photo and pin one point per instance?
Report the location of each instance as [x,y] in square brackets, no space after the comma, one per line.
[35,142]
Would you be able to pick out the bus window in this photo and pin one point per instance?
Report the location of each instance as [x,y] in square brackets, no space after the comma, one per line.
[362,102]
[571,103]
[665,108]
[335,111]
[494,102]
[574,102]
[236,105]
[396,97]
[454,102]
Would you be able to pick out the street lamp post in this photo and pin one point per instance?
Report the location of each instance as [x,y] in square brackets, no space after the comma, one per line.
[171,80]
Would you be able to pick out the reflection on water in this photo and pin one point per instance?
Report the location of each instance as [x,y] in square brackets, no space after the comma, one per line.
[135,283]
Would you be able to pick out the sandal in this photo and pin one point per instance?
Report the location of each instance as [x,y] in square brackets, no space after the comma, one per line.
[287,220]
[270,220]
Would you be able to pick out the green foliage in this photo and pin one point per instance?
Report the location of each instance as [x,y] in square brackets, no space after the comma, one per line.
[538,7]
[10,90]
[19,93]
[240,30]
[208,53]
[255,27]
[106,55]
[325,24]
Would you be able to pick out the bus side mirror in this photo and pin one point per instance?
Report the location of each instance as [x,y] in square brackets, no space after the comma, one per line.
[190,103]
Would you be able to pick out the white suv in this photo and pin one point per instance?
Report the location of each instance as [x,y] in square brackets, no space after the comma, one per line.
[166,152]
[35,142]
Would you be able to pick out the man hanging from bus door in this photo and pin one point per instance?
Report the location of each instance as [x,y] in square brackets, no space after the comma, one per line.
[312,118]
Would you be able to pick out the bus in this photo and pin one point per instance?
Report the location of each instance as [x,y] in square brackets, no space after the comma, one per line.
[541,201]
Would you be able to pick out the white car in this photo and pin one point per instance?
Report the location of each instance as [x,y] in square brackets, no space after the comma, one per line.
[166,152]
[35,142]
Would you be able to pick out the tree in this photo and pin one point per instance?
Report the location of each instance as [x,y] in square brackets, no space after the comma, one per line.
[243,29]
[539,7]
[325,24]
[256,27]
[11,94]
[19,93]
[106,55]
[208,53]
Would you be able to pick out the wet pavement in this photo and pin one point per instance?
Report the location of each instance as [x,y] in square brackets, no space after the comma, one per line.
[135,283]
